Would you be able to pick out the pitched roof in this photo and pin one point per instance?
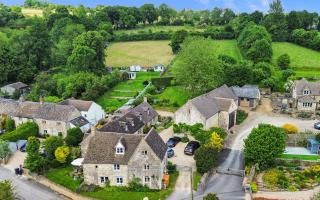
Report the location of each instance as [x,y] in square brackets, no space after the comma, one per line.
[156,143]
[307,99]
[247,91]
[102,150]
[219,99]
[81,105]
[36,110]
[302,84]
[17,85]
[132,121]
[79,121]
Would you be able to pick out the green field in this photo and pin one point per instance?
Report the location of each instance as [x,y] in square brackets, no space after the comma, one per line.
[158,29]
[122,92]
[228,47]
[300,157]
[143,53]
[31,12]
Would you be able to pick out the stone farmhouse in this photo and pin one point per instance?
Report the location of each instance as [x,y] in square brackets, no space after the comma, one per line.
[217,108]
[52,119]
[133,121]
[90,110]
[117,158]
[306,95]
[15,87]
[248,95]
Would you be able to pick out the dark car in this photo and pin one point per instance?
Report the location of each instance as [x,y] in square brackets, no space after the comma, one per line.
[170,152]
[191,147]
[172,142]
[317,126]
[23,148]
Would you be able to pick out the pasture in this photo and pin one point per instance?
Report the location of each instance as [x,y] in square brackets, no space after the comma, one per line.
[30,12]
[143,53]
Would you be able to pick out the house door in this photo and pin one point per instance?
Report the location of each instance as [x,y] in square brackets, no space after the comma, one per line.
[231,119]
[251,103]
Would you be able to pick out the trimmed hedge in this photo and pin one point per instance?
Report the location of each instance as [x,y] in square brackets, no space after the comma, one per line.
[23,132]
[162,82]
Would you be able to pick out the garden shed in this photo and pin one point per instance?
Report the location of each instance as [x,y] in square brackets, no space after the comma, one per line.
[313,145]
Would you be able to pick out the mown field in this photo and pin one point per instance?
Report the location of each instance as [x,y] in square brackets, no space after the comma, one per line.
[144,53]
[158,29]
[122,92]
[29,12]
[227,47]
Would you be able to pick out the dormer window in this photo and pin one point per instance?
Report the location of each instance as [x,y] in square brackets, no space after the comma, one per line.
[120,150]
[306,92]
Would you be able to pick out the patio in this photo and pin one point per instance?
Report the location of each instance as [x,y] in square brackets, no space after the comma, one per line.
[298,151]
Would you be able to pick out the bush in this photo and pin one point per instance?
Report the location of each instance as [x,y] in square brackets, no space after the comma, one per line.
[241,116]
[283,61]
[211,196]
[254,187]
[62,153]
[304,115]
[9,124]
[136,186]
[23,132]
[220,131]
[51,143]
[290,128]
[162,82]
[206,158]
[185,139]
[6,190]
[171,167]
[74,136]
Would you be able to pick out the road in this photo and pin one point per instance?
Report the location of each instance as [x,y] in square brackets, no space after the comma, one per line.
[28,190]
[229,187]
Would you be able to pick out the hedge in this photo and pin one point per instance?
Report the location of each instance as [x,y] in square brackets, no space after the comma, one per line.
[23,132]
[162,82]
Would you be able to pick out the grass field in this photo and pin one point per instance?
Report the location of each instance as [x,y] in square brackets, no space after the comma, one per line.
[158,29]
[29,12]
[306,62]
[300,157]
[228,47]
[143,53]
[124,91]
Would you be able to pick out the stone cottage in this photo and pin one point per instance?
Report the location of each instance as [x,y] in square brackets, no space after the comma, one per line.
[52,119]
[306,95]
[117,158]
[133,121]
[15,87]
[217,108]
[248,95]
[90,110]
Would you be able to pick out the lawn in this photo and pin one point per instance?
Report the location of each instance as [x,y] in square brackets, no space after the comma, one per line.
[158,29]
[143,53]
[62,177]
[196,179]
[116,193]
[122,92]
[30,12]
[300,157]
[176,95]
[228,47]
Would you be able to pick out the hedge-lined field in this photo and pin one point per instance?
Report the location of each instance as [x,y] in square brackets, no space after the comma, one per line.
[144,53]
[158,29]
[228,47]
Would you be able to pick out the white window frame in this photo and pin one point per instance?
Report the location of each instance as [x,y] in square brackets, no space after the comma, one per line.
[116,167]
[119,180]
[306,92]
[147,179]
[119,150]
[104,179]
[146,166]
[307,105]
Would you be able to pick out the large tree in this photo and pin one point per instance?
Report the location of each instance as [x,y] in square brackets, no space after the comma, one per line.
[197,67]
[264,144]
[206,158]
[34,161]
[177,39]
[4,149]
[149,13]
[51,143]
[6,190]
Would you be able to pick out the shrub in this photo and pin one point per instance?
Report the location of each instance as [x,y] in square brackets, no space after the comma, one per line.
[136,186]
[283,61]
[6,190]
[215,141]
[162,82]
[211,196]
[4,149]
[185,139]
[241,116]
[220,131]
[254,187]
[74,136]
[9,124]
[51,143]
[206,158]
[171,167]
[290,128]
[312,171]
[23,132]
[304,115]
[270,178]
[62,153]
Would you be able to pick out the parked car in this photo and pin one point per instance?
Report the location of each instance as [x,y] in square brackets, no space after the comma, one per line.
[191,147]
[317,126]
[23,148]
[170,152]
[172,142]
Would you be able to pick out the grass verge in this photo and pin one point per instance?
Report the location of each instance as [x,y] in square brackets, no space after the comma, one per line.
[300,157]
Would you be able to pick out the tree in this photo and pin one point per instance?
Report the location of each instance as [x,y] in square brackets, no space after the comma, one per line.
[283,61]
[215,141]
[149,13]
[74,136]
[290,128]
[239,74]
[9,125]
[166,13]
[196,66]
[6,190]
[51,143]
[177,39]
[261,51]
[264,144]
[34,161]
[211,196]
[206,158]
[61,154]
[81,59]
[4,149]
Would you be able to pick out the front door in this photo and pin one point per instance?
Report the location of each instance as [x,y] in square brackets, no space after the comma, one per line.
[251,103]
[231,119]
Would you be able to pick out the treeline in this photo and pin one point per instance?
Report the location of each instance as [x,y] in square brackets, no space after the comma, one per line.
[310,39]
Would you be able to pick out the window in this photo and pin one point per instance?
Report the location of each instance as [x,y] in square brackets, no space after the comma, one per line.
[144,153]
[96,166]
[85,115]
[45,131]
[119,150]
[116,167]
[44,121]
[306,92]
[146,167]
[305,105]
[119,180]
[104,179]
[147,179]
